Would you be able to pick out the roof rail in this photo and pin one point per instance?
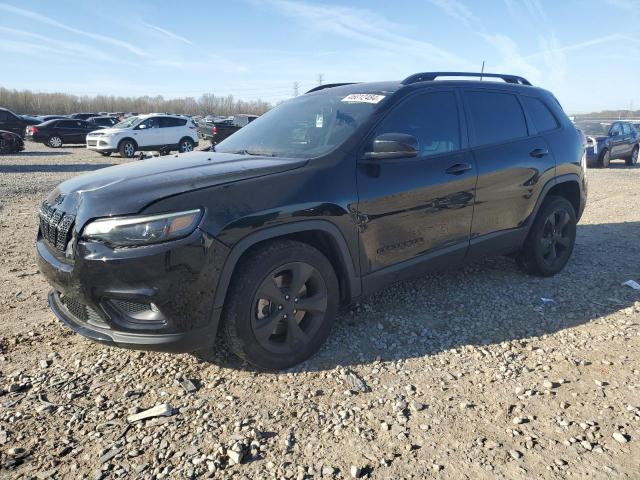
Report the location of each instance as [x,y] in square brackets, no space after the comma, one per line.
[329,85]
[430,76]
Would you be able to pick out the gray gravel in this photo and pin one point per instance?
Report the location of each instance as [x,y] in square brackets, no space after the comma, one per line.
[462,374]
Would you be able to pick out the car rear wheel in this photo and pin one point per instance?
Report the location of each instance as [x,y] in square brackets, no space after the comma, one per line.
[54,141]
[281,305]
[605,159]
[551,238]
[633,159]
[186,145]
[127,149]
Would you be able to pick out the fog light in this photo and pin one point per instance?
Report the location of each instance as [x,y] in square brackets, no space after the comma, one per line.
[154,308]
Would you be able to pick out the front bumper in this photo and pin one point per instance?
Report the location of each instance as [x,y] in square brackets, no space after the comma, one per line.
[158,297]
[102,143]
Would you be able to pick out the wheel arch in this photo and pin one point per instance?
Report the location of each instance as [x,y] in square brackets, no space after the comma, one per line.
[567,186]
[320,234]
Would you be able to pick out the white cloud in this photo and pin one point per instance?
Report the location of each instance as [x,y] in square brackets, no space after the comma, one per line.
[54,23]
[367,28]
[168,33]
[455,9]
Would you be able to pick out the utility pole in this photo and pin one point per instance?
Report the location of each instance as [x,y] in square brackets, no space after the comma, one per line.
[296,89]
[320,78]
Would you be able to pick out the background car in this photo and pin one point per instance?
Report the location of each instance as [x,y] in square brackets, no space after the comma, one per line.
[103,121]
[83,116]
[46,118]
[10,142]
[620,140]
[56,133]
[12,122]
[153,132]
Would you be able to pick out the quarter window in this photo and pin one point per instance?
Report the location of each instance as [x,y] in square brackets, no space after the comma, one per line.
[496,117]
[432,118]
[540,114]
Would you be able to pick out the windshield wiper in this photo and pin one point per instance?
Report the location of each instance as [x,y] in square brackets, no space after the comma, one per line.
[252,153]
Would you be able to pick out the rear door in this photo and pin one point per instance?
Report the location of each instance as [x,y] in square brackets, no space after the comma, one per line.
[629,140]
[65,129]
[514,163]
[418,208]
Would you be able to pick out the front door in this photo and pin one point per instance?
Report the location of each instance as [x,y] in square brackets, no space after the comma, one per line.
[412,209]
[617,140]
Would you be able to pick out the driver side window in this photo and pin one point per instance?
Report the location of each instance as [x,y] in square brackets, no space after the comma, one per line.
[616,129]
[432,118]
[150,123]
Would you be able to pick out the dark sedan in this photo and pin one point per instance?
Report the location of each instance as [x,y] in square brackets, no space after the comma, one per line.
[605,143]
[55,133]
[10,142]
[103,121]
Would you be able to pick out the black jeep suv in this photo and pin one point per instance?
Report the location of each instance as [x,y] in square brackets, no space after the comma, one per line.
[329,196]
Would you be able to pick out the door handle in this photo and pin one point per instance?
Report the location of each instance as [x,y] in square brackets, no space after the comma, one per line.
[539,152]
[458,168]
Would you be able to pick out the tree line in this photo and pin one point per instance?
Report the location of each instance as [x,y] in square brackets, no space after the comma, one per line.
[26,102]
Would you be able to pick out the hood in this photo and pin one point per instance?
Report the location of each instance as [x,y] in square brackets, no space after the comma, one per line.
[129,188]
[104,129]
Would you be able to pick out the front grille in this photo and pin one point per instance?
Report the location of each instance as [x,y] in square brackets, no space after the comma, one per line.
[131,307]
[55,226]
[82,312]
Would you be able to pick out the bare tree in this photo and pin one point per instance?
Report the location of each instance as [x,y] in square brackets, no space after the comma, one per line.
[34,103]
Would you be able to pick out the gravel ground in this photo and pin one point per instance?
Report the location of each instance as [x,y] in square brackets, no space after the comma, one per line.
[462,374]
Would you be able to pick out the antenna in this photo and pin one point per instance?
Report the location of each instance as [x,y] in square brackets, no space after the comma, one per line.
[482,70]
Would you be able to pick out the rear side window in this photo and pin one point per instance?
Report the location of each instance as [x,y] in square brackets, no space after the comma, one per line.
[431,117]
[3,115]
[496,117]
[65,124]
[540,114]
[167,122]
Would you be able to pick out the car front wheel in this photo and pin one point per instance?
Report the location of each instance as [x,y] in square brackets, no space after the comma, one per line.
[281,305]
[605,159]
[127,149]
[551,238]
[186,145]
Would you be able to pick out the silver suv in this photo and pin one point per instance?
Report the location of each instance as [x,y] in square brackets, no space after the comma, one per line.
[153,132]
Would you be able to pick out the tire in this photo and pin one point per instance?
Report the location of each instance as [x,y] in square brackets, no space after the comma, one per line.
[632,161]
[105,154]
[186,145]
[605,159]
[54,141]
[264,322]
[551,239]
[127,148]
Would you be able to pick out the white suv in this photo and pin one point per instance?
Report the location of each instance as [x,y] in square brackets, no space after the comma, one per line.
[156,132]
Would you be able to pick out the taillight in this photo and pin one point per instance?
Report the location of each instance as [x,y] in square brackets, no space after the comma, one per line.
[214,130]
[32,130]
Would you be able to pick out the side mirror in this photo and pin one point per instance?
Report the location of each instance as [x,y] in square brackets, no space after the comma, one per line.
[393,145]
[141,126]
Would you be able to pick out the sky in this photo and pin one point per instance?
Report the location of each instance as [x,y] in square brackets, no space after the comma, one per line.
[587,52]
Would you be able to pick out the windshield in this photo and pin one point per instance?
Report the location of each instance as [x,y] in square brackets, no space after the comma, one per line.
[129,122]
[593,128]
[304,127]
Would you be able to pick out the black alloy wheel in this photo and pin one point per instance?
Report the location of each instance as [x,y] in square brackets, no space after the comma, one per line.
[281,304]
[289,307]
[551,238]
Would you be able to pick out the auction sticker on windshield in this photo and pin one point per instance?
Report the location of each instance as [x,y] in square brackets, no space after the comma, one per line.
[363,98]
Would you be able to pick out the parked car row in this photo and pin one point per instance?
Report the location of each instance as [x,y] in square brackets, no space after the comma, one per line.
[220,128]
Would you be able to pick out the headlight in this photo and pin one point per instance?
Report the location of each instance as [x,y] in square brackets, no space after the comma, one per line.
[135,231]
